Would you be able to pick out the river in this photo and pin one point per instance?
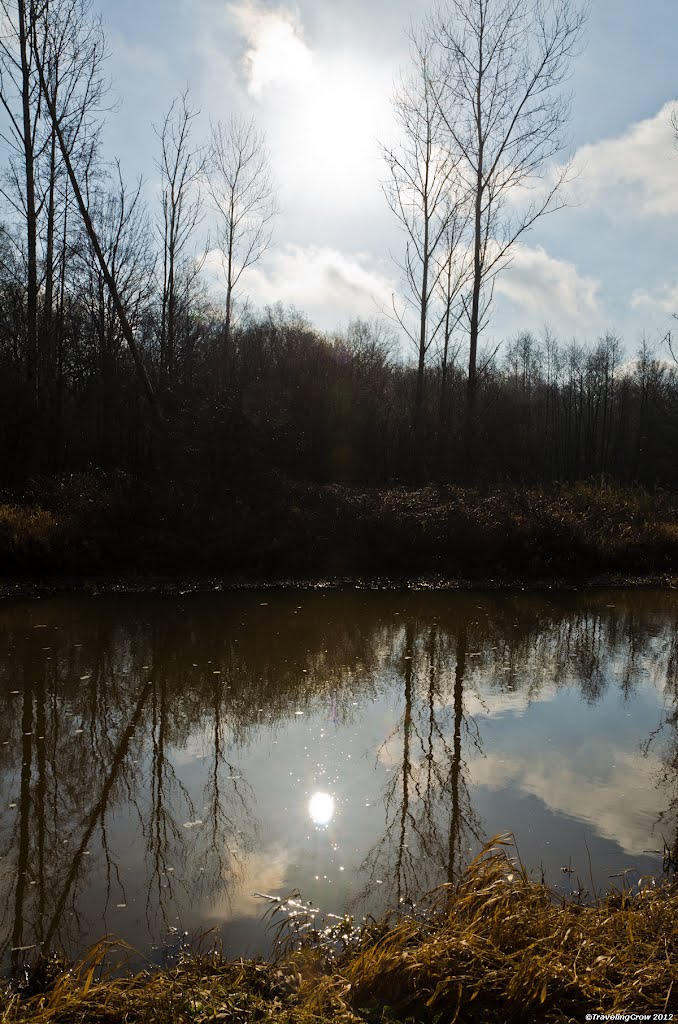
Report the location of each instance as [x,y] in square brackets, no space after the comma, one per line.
[163,759]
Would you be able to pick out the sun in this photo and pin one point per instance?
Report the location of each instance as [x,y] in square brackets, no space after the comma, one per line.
[321,808]
[323,109]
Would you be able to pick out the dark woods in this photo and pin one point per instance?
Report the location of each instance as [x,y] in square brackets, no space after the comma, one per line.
[284,397]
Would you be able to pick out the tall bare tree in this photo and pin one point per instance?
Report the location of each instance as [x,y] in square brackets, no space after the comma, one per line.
[243,192]
[123,234]
[422,192]
[180,165]
[502,66]
[75,118]
[453,272]
[19,98]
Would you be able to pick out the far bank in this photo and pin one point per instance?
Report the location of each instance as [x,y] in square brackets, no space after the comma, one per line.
[278,530]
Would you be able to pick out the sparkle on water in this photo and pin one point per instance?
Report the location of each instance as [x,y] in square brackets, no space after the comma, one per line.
[321,808]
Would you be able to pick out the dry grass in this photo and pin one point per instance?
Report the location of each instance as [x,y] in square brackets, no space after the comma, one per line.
[27,533]
[495,948]
[499,948]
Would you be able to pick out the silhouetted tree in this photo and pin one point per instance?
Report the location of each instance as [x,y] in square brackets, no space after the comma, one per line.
[501,67]
[423,192]
[180,165]
[243,193]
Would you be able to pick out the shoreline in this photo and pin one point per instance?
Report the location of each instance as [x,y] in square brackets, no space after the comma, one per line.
[493,946]
[36,587]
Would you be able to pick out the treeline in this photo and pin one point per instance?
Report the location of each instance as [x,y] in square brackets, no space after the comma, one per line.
[285,397]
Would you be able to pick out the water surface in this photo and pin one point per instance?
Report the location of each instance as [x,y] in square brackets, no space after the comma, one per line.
[163,759]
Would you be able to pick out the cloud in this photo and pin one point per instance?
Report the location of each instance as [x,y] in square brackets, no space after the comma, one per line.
[596,786]
[548,286]
[264,872]
[276,53]
[495,704]
[663,298]
[634,174]
[329,285]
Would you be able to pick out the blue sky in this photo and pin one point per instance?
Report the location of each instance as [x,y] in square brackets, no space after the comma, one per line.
[317,76]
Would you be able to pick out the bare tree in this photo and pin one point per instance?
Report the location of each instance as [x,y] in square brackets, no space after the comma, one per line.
[502,66]
[74,116]
[453,270]
[180,166]
[243,192]
[421,191]
[19,95]
[123,234]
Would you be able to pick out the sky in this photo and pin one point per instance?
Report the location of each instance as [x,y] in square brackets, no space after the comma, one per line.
[318,76]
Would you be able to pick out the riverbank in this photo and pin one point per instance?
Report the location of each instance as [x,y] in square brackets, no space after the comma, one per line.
[119,531]
[495,947]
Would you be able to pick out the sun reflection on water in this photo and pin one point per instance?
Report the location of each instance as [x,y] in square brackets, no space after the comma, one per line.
[321,808]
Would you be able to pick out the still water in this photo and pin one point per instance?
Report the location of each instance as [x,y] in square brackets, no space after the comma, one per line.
[164,759]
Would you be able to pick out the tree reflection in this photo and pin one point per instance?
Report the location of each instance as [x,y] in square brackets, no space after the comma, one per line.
[665,738]
[94,751]
[124,725]
[428,812]
[520,645]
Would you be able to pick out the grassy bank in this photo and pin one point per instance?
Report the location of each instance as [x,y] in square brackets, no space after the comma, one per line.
[98,524]
[495,948]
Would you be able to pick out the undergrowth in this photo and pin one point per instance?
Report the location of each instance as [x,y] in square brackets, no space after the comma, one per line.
[103,524]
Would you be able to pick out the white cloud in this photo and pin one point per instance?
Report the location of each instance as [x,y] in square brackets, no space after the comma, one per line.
[493,704]
[263,872]
[550,287]
[635,173]
[596,786]
[276,52]
[328,285]
[663,298]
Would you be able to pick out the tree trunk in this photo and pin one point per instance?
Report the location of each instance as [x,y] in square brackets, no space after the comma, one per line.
[32,360]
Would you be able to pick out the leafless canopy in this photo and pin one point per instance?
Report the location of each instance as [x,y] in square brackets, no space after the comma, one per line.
[181,167]
[502,66]
[422,190]
[239,182]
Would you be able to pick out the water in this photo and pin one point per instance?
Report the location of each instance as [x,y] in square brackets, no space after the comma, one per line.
[163,759]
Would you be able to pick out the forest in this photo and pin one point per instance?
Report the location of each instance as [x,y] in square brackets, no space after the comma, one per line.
[119,360]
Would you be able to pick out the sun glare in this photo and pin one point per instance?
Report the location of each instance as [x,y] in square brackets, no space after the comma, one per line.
[324,130]
[279,57]
[321,808]
[323,109]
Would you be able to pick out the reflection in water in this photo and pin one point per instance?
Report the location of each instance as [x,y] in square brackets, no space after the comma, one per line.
[428,808]
[321,808]
[153,751]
